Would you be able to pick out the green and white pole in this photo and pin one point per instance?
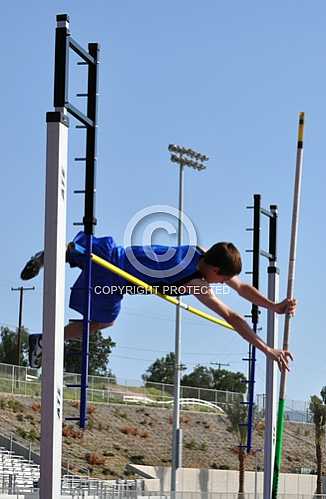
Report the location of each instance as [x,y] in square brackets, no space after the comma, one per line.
[290,289]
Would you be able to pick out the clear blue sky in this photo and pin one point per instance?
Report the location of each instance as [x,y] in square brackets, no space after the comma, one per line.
[227,79]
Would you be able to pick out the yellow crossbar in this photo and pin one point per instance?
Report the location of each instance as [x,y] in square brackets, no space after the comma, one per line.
[153,290]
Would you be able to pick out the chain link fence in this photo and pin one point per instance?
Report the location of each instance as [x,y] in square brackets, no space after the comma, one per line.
[27,382]
[120,494]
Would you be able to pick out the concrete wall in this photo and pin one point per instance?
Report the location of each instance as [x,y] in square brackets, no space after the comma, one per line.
[203,480]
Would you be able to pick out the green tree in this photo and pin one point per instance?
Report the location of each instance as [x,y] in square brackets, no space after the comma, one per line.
[229,381]
[318,409]
[8,346]
[200,377]
[99,352]
[215,379]
[237,415]
[162,370]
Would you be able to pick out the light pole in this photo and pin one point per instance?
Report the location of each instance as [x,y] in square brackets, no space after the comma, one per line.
[183,157]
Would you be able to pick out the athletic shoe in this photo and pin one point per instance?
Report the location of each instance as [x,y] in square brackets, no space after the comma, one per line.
[35,350]
[32,267]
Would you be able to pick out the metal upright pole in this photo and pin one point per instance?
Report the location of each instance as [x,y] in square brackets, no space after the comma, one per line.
[177,432]
[54,274]
[271,367]
[290,289]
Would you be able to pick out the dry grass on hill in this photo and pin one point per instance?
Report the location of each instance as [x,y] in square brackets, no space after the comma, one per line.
[121,434]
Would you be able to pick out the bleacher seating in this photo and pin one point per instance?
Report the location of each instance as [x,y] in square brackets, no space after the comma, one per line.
[16,473]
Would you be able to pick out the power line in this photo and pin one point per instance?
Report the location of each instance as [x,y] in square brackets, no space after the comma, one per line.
[191,363]
[210,354]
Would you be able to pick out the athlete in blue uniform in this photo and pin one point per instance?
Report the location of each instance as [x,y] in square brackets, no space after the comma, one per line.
[177,270]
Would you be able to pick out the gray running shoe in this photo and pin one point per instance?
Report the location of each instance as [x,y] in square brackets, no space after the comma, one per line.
[35,350]
[33,266]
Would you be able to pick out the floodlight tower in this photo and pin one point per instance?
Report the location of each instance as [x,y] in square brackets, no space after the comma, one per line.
[183,157]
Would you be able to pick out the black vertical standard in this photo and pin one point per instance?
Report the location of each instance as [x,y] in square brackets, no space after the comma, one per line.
[254,318]
[89,220]
[61,61]
[273,234]
[89,57]
[271,256]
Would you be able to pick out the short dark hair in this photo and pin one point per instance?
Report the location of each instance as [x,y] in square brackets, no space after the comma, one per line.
[225,256]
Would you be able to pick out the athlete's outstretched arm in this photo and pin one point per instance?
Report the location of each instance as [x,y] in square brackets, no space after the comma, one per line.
[206,296]
[250,293]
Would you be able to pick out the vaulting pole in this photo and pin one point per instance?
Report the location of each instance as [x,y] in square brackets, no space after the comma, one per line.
[290,289]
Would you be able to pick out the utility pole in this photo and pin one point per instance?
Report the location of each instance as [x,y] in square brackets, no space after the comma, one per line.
[219,365]
[21,290]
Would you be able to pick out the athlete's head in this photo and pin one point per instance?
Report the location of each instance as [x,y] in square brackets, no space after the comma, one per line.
[221,262]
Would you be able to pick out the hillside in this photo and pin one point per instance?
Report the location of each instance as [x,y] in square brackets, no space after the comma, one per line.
[121,434]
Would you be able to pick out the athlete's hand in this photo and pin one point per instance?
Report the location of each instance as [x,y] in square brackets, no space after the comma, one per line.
[282,357]
[287,306]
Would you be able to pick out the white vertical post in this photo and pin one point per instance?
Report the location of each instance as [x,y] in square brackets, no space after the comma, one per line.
[53,304]
[271,385]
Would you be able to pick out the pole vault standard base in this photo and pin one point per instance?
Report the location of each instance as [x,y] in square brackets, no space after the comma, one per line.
[53,305]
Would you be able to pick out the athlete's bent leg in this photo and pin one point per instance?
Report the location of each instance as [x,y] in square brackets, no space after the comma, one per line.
[74,330]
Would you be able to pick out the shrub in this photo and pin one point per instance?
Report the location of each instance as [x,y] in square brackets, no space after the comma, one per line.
[129,430]
[20,417]
[28,435]
[3,404]
[191,445]
[15,405]
[71,432]
[36,407]
[91,409]
[21,432]
[33,435]
[94,459]
[223,467]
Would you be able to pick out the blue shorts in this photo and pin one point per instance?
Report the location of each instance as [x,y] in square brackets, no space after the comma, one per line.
[105,307]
